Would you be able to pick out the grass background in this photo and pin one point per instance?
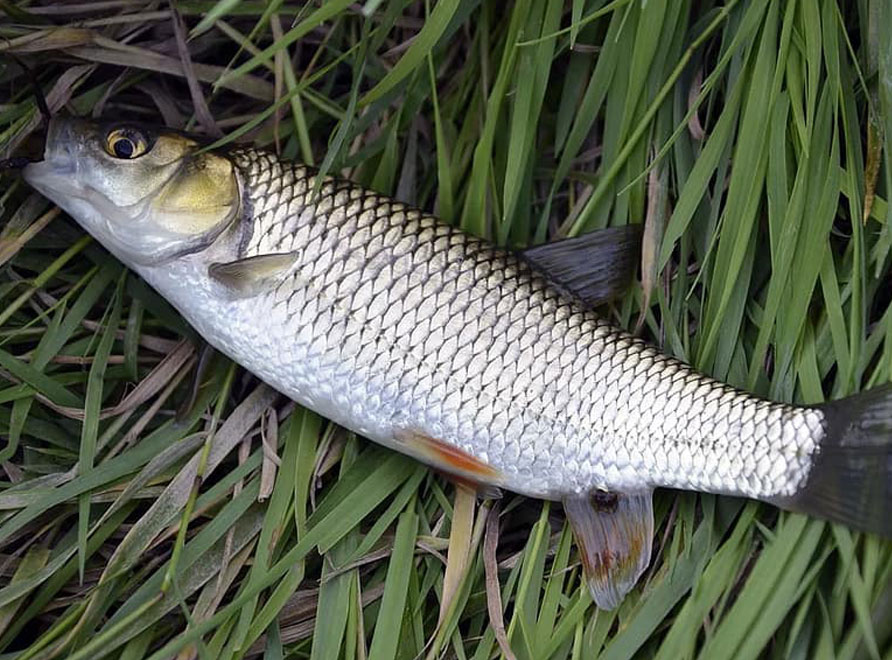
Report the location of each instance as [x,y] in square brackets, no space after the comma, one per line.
[751,138]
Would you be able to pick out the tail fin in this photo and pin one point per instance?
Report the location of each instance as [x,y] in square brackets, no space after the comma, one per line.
[851,479]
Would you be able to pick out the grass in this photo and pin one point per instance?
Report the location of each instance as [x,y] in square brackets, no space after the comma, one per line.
[751,138]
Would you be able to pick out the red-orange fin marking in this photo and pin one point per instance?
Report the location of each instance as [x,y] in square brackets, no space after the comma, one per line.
[459,464]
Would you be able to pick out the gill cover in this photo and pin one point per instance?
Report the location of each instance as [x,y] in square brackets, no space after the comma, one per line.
[202,196]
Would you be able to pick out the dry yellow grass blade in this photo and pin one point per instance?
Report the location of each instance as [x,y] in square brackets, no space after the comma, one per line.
[459,545]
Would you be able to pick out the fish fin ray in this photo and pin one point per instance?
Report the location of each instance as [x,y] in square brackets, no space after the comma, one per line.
[595,267]
[614,534]
[455,462]
[484,491]
[850,480]
[246,277]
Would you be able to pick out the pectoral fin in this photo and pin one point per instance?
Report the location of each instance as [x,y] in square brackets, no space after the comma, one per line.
[246,277]
[613,533]
[595,267]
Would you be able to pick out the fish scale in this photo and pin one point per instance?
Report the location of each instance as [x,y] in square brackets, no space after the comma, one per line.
[487,355]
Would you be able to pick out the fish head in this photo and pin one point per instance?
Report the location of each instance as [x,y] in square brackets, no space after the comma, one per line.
[148,194]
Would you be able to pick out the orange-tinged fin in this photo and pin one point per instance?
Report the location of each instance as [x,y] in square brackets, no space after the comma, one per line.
[484,491]
[613,532]
[457,463]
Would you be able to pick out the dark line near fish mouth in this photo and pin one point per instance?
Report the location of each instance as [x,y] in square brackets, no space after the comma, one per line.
[16,162]
[39,97]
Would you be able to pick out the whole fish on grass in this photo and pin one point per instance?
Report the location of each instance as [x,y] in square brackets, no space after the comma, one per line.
[488,364]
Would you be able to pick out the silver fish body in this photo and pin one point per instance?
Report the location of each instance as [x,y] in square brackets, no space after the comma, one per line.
[391,321]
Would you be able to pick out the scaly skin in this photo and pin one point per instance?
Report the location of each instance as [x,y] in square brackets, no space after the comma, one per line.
[395,324]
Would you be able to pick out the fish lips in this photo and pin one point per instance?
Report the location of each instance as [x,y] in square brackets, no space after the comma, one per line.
[57,173]
[53,177]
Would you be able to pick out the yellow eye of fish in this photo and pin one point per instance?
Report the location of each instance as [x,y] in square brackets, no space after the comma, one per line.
[125,144]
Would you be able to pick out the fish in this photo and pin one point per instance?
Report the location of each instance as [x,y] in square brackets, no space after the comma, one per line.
[491,365]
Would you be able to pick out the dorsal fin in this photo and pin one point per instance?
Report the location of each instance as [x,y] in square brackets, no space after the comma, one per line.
[613,532]
[595,267]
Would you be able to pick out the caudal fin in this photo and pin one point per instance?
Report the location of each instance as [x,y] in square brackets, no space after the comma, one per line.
[851,479]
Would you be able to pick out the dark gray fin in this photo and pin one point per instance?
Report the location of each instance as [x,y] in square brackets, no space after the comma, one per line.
[613,533]
[247,277]
[850,481]
[594,267]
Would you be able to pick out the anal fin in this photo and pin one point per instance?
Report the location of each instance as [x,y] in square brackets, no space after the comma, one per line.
[614,533]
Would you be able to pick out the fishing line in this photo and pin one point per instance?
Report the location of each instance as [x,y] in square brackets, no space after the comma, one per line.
[16,163]
[39,98]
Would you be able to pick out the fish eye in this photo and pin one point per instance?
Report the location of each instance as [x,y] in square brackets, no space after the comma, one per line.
[125,143]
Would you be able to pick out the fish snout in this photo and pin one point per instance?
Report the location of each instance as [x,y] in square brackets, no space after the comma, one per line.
[65,138]
[65,147]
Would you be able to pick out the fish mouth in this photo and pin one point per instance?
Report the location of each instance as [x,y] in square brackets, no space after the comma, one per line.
[51,176]
[59,168]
